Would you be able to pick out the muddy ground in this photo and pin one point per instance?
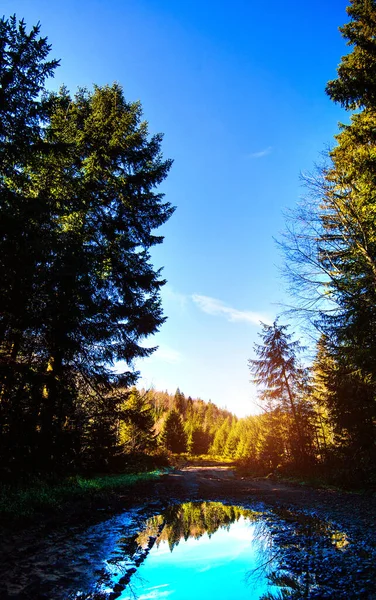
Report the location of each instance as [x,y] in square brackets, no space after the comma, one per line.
[46,558]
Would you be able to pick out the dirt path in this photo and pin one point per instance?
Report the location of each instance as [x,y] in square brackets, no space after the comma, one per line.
[54,553]
[212,482]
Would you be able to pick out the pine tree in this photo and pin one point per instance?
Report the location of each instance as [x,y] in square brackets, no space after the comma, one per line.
[104,283]
[276,441]
[25,223]
[180,403]
[232,441]
[173,436]
[353,179]
[136,424]
[355,86]
[220,438]
[349,220]
[101,293]
[198,441]
[283,380]
[79,211]
[332,250]
[346,401]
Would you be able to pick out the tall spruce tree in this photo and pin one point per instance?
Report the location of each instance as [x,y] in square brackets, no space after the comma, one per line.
[355,86]
[331,247]
[102,290]
[25,222]
[173,436]
[351,198]
[282,380]
[136,424]
[87,294]
[351,337]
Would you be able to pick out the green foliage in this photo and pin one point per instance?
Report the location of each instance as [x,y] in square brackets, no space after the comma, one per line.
[198,441]
[179,402]
[284,382]
[24,225]
[331,254]
[219,443]
[346,398]
[193,519]
[39,495]
[355,86]
[201,420]
[102,271]
[23,72]
[173,436]
[136,426]
[78,210]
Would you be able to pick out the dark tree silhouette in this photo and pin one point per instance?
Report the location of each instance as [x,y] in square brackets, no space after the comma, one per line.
[173,436]
[79,209]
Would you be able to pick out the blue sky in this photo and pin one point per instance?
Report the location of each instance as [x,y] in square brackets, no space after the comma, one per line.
[228,564]
[238,90]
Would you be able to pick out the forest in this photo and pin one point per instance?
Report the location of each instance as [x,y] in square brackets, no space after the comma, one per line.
[79,209]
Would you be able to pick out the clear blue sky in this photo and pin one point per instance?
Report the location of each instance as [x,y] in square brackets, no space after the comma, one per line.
[238,90]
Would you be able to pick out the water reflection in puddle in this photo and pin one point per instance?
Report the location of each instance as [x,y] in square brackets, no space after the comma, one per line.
[211,550]
[204,551]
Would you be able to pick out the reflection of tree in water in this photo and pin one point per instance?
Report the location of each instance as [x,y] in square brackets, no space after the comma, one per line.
[268,553]
[193,519]
[301,545]
[299,555]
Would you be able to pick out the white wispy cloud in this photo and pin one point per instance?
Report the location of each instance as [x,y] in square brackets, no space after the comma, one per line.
[170,294]
[261,153]
[167,354]
[212,306]
[156,591]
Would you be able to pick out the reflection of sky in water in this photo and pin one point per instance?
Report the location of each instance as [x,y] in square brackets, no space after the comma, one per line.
[210,567]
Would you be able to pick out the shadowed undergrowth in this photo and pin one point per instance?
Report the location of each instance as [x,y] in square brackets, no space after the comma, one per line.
[24,500]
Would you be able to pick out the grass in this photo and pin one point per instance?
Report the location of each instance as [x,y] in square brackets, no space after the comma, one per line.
[39,495]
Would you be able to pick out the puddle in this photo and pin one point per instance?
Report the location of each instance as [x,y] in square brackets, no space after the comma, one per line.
[210,550]
[204,550]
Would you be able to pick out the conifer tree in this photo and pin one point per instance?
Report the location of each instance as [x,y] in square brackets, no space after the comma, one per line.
[282,379]
[331,248]
[25,223]
[180,403]
[352,204]
[136,426]
[173,436]
[232,441]
[220,438]
[79,208]
[355,86]
[198,440]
